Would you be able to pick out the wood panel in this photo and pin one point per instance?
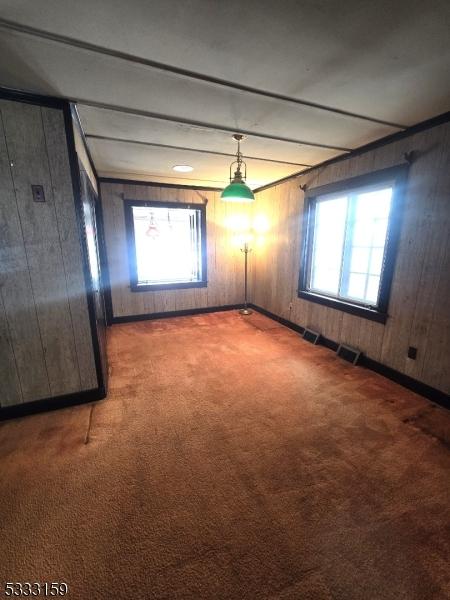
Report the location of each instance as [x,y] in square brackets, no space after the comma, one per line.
[225,262]
[420,294]
[53,121]
[44,329]
[11,391]
[21,340]
[27,149]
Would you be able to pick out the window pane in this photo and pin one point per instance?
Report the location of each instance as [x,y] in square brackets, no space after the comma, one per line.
[379,232]
[328,244]
[374,205]
[373,286]
[359,259]
[356,286]
[360,234]
[365,245]
[167,245]
[376,261]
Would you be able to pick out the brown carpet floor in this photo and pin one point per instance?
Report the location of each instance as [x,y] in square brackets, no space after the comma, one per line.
[231,460]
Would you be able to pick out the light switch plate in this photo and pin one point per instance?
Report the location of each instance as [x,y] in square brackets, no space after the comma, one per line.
[38,193]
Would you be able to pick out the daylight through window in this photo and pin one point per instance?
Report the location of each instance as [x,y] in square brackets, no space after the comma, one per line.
[349,235]
[166,246]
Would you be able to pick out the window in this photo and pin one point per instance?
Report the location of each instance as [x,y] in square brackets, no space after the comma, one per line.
[349,243]
[166,245]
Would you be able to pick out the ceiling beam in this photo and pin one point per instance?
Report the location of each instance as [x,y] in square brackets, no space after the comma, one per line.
[389,139]
[91,136]
[149,115]
[69,41]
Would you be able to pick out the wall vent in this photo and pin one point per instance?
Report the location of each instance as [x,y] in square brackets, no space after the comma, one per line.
[349,354]
[311,336]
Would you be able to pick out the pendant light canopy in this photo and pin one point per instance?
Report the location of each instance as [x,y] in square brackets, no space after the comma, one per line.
[237,190]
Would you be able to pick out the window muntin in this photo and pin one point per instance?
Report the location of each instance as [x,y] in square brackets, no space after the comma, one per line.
[349,240]
[167,245]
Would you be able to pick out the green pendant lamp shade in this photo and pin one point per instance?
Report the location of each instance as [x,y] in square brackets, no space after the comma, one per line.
[237,190]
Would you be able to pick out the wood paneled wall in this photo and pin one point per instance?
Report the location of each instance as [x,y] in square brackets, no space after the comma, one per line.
[419,308]
[225,261]
[45,337]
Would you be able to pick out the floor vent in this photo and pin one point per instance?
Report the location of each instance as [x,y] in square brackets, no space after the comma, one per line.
[311,336]
[349,354]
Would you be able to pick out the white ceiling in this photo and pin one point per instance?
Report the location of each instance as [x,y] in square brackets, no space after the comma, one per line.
[388,61]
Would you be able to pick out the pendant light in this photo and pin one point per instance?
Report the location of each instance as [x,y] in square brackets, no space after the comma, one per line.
[237,190]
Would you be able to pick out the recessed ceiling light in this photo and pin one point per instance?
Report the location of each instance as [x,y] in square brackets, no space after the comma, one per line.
[183,168]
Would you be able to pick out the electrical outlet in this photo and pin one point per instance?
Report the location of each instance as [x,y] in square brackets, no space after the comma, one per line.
[412,352]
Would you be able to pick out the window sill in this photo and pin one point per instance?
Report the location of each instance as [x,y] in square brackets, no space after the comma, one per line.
[167,286]
[353,309]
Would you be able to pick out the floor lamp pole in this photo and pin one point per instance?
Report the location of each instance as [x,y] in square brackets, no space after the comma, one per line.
[245,310]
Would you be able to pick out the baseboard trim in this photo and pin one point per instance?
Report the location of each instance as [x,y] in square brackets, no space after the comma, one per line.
[174,313]
[49,404]
[406,381]
[64,401]
[414,385]
[282,320]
